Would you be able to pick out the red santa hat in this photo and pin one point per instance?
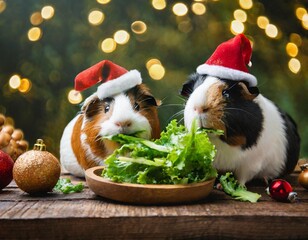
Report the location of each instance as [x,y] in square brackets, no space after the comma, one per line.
[114,79]
[229,61]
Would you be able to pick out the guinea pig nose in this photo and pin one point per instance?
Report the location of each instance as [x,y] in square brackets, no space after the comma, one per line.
[126,123]
[201,109]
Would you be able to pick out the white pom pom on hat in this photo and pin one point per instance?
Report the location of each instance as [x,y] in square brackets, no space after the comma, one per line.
[229,61]
[114,79]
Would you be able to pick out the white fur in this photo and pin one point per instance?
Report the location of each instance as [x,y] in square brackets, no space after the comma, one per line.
[265,159]
[67,156]
[227,73]
[120,84]
[122,111]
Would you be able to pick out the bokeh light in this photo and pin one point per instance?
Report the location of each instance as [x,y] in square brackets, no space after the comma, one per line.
[47,12]
[15,81]
[198,8]
[291,49]
[25,85]
[185,26]
[139,27]
[74,97]
[271,31]
[36,18]
[294,65]
[180,9]
[262,22]
[300,12]
[246,4]
[96,17]
[296,38]
[121,37]
[108,45]
[237,27]
[2,6]
[103,1]
[35,34]
[305,21]
[159,4]
[240,15]
[151,62]
[157,71]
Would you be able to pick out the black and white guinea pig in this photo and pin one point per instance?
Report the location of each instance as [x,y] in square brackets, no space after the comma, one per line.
[131,111]
[259,141]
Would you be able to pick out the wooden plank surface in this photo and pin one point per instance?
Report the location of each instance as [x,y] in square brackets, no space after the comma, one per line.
[87,216]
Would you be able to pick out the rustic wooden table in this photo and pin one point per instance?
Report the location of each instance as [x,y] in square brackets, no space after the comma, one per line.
[87,216]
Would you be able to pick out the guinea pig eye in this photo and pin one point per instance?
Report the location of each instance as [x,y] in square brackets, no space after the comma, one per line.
[136,106]
[107,107]
[225,93]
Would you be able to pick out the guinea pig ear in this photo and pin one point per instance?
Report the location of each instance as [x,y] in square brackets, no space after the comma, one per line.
[249,93]
[188,86]
[91,107]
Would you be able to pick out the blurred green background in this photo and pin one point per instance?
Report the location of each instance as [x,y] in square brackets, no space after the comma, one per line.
[45,44]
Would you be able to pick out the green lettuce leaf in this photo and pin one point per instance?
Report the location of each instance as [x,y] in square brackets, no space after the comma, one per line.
[177,157]
[235,190]
[65,186]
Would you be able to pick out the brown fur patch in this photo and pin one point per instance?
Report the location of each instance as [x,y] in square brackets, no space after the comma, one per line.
[142,96]
[215,106]
[236,140]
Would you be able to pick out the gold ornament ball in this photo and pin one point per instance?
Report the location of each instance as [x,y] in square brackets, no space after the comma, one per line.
[36,171]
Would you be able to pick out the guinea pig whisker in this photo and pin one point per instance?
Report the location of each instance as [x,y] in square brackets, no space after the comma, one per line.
[172,105]
[176,114]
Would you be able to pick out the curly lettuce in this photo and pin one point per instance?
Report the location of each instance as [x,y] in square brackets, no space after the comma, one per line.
[179,156]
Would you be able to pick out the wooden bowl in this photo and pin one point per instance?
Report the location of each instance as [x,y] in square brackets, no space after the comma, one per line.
[146,193]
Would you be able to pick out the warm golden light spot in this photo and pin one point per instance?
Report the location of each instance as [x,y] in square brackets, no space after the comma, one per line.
[35,34]
[237,27]
[246,4]
[198,8]
[103,1]
[271,31]
[121,37]
[47,12]
[240,15]
[300,12]
[15,81]
[157,71]
[180,9]
[96,17]
[305,21]
[292,49]
[108,45]
[2,6]
[139,27]
[294,65]
[151,62]
[36,18]
[25,85]
[262,22]
[74,97]
[159,4]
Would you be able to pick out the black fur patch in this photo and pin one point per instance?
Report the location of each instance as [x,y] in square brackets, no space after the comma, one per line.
[242,117]
[193,81]
[293,145]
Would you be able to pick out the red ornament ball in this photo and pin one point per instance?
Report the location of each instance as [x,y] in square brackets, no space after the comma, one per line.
[6,169]
[282,191]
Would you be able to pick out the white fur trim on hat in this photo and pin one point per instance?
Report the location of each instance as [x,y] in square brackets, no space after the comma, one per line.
[120,84]
[227,73]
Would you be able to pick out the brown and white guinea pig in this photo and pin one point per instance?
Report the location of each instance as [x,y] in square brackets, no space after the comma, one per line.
[121,104]
[259,140]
